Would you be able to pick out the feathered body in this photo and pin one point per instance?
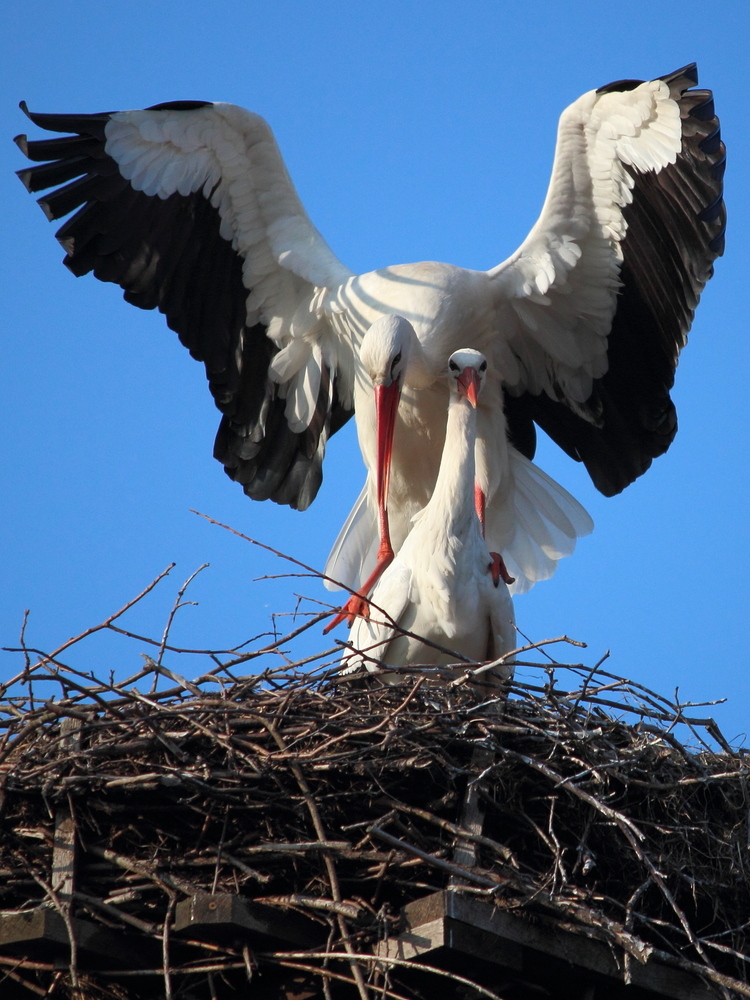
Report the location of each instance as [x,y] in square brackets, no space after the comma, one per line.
[439,586]
[189,208]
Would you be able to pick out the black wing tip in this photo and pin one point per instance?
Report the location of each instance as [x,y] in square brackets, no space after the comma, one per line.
[683,78]
[679,81]
[25,178]
[712,142]
[712,211]
[180,105]
[621,85]
[718,243]
[43,203]
[93,124]
[703,110]
[280,464]
[280,470]
[68,245]
[79,124]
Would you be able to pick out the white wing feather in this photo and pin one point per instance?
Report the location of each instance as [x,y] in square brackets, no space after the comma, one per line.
[231,156]
[356,546]
[556,295]
[535,524]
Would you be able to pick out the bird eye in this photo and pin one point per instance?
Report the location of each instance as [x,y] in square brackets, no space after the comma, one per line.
[395,360]
[453,366]
[483,366]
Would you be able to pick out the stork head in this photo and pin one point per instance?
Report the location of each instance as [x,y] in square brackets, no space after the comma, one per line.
[386,348]
[467,370]
[385,352]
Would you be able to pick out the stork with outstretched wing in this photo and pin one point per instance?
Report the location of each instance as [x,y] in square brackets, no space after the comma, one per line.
[189,208]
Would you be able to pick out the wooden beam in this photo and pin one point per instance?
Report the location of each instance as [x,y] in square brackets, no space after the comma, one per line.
[472,815]
[223,913]
[35,932]
[64,843]
[447,921]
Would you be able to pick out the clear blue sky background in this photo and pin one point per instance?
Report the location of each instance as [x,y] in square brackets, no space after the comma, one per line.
[413,131]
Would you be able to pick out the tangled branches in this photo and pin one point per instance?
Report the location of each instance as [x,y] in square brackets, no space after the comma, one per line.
[334,804]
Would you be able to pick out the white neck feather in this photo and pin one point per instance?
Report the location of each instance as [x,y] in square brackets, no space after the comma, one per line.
[452,502]
[419,374]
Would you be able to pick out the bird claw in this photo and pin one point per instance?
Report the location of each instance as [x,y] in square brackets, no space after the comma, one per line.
[498,570]
[356,607]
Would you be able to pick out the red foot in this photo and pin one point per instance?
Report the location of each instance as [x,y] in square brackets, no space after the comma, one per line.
[497,568]
[356,607]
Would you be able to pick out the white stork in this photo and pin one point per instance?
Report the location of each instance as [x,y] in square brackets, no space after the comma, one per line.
[532,520]
[439,586]
[189,207]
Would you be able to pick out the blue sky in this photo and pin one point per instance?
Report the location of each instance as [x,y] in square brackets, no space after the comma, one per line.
[412,131]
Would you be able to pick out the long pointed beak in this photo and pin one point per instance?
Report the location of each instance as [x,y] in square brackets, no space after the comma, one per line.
[468,385]
[386,407]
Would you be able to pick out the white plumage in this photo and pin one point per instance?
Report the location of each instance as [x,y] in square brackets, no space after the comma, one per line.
[530,519]
[439,585]
[189,207]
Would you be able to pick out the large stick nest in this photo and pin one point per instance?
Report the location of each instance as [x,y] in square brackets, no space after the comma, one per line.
[345,802]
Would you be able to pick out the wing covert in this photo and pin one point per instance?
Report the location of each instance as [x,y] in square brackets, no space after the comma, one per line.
[189,208]
[595,306]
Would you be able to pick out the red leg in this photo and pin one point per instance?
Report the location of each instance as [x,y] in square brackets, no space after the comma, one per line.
[497,566]
[358,606]
[386,407]
[479,504]
[498,570]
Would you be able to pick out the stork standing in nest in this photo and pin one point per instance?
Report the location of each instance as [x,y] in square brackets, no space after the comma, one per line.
[440,586]
[533,517]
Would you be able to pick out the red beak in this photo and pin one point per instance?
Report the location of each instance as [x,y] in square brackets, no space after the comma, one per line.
[468,385]
[386,407]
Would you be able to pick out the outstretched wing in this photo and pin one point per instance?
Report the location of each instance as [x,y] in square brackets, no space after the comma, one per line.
[596,304]
[189,208]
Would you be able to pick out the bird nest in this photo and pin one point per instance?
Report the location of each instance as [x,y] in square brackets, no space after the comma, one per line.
[327,806]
